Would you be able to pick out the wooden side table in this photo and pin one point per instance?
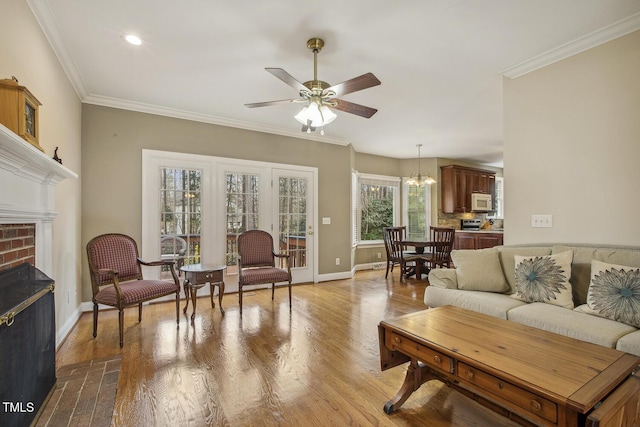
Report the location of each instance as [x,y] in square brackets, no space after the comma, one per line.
[198,275]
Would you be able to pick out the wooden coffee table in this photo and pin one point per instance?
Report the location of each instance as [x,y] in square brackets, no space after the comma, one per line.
[530,375]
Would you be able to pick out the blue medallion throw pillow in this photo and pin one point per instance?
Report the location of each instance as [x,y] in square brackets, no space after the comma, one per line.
[614,292]
[544,279]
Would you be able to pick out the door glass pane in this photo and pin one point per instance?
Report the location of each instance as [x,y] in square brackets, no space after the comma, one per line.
[242,208]
[292,216]
[180,216]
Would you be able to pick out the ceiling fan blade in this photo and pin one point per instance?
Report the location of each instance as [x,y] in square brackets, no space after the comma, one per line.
[287,78]
[357,109]
[269,103]
[364,81]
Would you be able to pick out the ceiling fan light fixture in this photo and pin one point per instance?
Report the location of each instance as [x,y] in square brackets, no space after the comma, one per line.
[315,115]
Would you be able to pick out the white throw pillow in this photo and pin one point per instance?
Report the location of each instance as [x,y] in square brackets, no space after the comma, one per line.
[614,292]
[479,270]
[544,279]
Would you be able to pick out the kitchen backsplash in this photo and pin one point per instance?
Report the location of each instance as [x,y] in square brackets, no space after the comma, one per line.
[453,220]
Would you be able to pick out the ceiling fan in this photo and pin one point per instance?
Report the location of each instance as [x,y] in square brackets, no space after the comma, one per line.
[319,97]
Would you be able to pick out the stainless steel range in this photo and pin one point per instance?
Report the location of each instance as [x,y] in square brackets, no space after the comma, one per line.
[470,224]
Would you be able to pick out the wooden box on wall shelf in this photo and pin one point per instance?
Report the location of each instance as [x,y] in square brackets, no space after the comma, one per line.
[19,111]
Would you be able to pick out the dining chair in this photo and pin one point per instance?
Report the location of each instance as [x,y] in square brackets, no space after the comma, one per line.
[396,253]
[442,243]
[257,265]
[117,281]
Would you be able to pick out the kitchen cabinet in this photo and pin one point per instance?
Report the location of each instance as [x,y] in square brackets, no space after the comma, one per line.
[464,241]
[459,182]
[477,240]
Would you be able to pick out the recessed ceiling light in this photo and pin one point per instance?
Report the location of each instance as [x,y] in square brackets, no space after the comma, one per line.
[133,39]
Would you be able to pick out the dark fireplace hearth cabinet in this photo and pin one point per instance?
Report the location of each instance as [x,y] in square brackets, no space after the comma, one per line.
[27,344]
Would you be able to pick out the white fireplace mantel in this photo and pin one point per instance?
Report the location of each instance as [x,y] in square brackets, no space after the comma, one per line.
[27,184]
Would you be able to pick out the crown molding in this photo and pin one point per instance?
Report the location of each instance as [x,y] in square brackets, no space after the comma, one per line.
[588,41]
[42,12]
[205,118]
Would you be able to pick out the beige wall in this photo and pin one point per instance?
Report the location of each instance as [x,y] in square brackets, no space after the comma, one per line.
[572,148]
[113,140]
[26,54]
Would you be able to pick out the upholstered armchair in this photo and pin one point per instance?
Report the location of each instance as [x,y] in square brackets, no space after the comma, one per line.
[116,278]
[257,263]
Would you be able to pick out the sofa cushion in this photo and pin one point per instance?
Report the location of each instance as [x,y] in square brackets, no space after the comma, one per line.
[544,279]
[443,278]
[507,259]
[571,323]
[614,292]
[630,343]
[490,303]
[581,266]
[479,270]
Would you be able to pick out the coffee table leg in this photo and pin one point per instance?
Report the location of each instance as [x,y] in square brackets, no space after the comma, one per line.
[417,374]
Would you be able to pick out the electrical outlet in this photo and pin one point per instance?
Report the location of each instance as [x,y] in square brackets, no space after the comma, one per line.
[337,261]
[541,221]
[379,255]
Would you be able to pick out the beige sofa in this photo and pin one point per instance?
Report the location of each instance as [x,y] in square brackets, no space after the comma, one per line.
[485,281]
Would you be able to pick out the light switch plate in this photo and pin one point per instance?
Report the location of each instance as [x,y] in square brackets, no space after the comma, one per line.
[541,221]
[326,220]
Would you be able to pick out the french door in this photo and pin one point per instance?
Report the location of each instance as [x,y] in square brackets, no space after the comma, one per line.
[294,221]
[278,201]
[208,202]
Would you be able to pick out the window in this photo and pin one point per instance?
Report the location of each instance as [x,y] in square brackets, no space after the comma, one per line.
[375,206]
[292,219]
[180,215]
[499,204]
[242,211]
[417,210]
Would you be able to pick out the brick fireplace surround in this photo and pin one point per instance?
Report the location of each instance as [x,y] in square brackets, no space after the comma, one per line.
[17,245]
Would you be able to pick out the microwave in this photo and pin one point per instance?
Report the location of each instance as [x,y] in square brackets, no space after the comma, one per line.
[481,202]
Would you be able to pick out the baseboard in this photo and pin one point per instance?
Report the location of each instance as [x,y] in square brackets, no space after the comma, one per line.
[61,334]
[335,276]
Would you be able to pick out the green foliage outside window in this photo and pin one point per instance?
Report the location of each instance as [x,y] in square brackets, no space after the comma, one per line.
[377,211]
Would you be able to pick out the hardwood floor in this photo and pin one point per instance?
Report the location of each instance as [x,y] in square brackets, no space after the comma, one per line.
[316,365]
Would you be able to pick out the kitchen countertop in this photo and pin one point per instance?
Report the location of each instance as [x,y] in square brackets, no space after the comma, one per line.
[497,231]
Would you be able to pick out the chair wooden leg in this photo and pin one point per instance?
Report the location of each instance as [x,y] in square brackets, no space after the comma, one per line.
[403,271]
[273,291]
[95,319]
[178,307]
[289,296]
[387,272]
[240,298]
[121,326]
[140,312]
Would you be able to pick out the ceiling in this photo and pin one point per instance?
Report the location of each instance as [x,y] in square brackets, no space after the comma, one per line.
[441,63]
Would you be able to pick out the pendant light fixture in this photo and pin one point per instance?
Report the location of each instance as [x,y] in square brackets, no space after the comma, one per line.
[419,180]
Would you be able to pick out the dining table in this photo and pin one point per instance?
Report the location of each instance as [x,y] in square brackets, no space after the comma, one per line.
[423,246]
